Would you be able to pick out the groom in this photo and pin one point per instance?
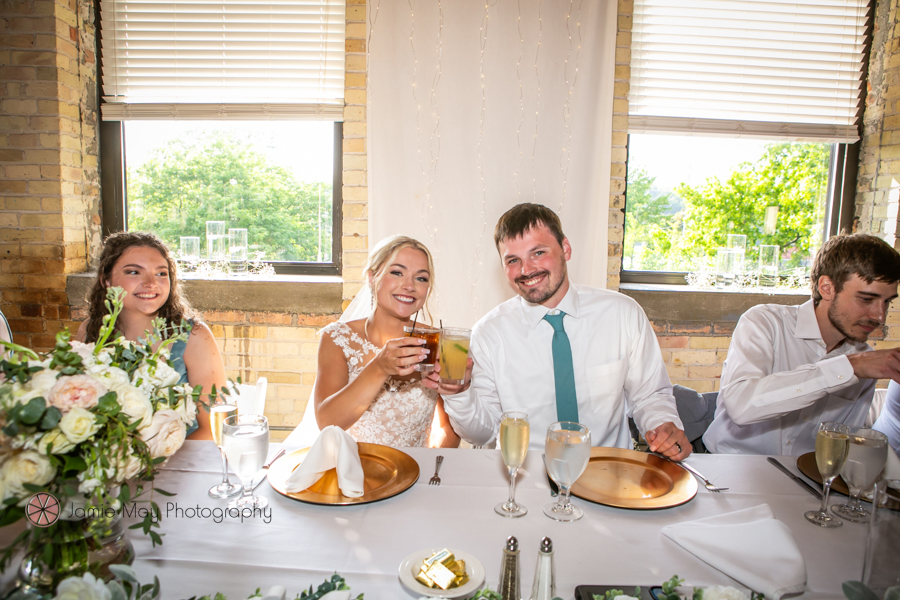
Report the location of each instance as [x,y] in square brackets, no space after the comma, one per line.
[561,352]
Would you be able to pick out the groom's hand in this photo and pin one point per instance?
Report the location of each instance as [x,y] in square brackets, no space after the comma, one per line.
[433,380]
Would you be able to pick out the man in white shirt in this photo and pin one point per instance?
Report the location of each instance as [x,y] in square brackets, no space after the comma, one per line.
[790,368]
[888,421]
[611,367]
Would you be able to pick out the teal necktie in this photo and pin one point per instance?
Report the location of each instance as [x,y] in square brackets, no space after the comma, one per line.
[563,371]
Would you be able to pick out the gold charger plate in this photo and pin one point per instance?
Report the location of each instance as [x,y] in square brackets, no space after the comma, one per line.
[630,479]
[387,471]
[807,465]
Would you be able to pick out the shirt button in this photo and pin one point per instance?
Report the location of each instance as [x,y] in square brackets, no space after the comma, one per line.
[788,444]
[840,376]
[799,390]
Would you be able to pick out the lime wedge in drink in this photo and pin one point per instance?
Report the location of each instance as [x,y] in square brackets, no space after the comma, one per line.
[461,349]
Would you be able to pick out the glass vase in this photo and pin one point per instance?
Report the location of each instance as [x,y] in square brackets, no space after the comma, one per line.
[72,548]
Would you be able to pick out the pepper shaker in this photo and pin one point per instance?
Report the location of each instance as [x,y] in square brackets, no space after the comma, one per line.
[509,571]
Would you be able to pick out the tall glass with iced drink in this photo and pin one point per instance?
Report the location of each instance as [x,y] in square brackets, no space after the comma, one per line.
[432,339]
[454,354]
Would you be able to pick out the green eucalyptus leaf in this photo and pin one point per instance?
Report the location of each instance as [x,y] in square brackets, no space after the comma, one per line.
[32,412]
[51,418]
[857,590]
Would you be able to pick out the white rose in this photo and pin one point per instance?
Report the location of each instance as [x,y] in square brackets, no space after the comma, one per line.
[21,394]
[127,468]
[88,485]
[166,433]
[111,377]
[57,441]
[42,382]
[86,587]
[187,410]
[134,403]
[78,425]
[27,441]
[150,378]
[85,351]
[721,592]
[25,467]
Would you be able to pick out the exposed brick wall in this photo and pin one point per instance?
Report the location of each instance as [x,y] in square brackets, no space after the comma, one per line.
[49,211]
[619,144]
[356,193]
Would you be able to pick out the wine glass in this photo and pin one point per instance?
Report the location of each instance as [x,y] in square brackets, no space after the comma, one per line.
[246,440]
[566,456]
[865,461]
[832,446]
[514,436]
[217,415]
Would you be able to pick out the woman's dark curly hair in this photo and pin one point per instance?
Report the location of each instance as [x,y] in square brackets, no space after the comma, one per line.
[173,311]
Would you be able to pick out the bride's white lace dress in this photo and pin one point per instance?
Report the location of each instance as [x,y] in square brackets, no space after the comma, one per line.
[402,412]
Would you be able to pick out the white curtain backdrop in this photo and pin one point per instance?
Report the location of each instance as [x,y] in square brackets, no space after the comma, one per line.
[475,106]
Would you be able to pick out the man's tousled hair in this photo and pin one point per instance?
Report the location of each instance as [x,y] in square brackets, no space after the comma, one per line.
[861,254]
[525,217]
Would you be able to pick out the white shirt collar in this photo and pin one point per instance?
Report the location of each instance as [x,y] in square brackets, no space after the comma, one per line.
[533,314]
[807,327]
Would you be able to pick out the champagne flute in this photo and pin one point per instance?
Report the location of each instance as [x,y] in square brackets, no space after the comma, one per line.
[246,442]
[832,446]
[566,456]
[217,415]
[865,461]
[514,436]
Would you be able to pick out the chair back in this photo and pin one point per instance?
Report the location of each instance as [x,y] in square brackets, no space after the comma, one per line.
[251,398]
[696,412]
[5,333]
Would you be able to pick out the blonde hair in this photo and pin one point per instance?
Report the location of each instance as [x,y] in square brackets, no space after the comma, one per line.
[383,254]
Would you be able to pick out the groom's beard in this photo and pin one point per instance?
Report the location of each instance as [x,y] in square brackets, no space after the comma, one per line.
[544,291]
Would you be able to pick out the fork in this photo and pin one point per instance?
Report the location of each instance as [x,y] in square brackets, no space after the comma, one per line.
[436,480]
[709,486]
[274,458]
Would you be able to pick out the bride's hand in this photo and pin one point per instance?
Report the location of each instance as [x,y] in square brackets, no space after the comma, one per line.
[400,356]
[433,380]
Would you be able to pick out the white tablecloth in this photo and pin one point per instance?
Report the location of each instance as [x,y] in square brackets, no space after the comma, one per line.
[302,544]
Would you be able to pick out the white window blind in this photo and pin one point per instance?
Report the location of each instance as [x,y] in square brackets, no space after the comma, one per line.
[222,59]
[765,68]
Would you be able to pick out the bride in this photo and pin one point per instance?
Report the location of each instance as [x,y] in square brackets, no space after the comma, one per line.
[366,381]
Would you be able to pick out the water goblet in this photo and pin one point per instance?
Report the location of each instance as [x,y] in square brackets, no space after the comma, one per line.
[217,415]
[246,440]
[865,461]
[514,436]
[566,455]
[832,446]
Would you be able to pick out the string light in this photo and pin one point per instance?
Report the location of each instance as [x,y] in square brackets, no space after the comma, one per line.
[566,150]
[521,98]
[537,102]
[476,259]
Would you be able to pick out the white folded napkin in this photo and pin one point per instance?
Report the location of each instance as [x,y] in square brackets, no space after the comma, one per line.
[748,545]
[334,449]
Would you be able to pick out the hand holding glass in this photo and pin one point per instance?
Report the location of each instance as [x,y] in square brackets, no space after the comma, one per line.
[217,415]
[832,446]
[566,456]
[865,461]
[514,435]
[246,441]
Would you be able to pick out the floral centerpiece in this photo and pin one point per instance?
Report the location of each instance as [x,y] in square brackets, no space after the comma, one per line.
[80,423]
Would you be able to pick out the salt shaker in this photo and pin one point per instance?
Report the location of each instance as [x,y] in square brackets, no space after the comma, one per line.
[544,576]
[509,571]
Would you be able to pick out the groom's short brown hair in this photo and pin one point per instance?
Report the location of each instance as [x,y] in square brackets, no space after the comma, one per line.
[843,256]
[525,217]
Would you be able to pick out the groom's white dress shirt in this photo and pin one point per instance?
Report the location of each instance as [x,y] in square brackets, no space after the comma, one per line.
[618,369]
[778,383]
[888,422]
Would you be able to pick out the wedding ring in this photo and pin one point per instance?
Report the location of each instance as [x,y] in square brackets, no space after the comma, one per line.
[679,447]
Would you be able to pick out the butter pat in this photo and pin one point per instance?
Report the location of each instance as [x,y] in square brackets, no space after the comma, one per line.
[442,570]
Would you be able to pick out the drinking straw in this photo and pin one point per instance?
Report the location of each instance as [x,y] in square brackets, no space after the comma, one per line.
[411,331]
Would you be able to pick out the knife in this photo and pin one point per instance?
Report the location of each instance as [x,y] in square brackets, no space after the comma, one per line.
[799,481]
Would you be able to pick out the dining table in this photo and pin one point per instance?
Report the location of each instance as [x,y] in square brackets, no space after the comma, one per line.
[296,544]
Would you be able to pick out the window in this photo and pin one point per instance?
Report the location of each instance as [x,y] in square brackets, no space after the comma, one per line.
[742,117]
[221,111]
